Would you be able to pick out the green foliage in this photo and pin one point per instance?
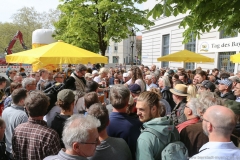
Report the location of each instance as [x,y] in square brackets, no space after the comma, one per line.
[203,16]
[90,24]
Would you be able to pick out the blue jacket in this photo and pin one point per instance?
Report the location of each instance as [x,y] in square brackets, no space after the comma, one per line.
[126,127]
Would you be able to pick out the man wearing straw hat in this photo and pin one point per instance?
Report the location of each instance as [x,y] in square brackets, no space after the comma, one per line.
[179,94]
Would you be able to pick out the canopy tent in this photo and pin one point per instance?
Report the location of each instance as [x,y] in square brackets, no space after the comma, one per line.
[235,58]
[56,53]
[185,56]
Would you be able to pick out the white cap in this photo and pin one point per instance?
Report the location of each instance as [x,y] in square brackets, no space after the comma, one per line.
[125,75]
[95,72]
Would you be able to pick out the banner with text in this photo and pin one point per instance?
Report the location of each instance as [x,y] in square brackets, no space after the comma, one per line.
[219,45]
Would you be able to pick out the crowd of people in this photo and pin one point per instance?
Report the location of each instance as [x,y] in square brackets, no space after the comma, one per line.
[140,113]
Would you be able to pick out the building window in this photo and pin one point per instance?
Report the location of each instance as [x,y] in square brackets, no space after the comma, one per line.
[223,35]
[191,46]
[115,47]
[165,49]
[115,59]
[224,62]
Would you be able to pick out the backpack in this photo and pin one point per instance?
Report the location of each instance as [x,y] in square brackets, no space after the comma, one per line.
[174,149]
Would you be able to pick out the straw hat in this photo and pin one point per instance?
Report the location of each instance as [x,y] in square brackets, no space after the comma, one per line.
[180,90]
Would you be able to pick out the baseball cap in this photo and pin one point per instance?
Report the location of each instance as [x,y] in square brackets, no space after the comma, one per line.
[209,85]
[125,75]
[95,72]
[170,72]
[66,95]
[135,88]
[225,81]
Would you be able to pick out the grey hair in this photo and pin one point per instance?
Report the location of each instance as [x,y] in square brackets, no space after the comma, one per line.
[194,104]
[119,96]
[103,70]
[166,82]
[234,79]
[153,75]
[208,99]
[148,77]
[76,129]
[80,67]
[27,81]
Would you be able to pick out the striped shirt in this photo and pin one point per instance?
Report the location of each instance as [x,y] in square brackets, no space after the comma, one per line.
[33,140]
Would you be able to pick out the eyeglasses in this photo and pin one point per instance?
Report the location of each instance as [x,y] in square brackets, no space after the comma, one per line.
[202,119]
[58,77]
[33,84]
[96,142]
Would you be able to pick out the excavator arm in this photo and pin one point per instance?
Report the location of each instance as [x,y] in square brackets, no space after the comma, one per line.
[19,36]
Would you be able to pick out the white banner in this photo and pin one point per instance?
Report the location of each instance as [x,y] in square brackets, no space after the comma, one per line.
[219,45]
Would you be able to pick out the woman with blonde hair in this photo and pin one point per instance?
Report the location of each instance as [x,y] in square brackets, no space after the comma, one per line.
[103,73]
[103,77]
[192,92]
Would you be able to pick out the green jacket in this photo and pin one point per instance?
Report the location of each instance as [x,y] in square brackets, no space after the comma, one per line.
[149,147]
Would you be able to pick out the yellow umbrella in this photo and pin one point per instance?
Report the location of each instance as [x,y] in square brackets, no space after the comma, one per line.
[235,58]
[185,56]
[56,53]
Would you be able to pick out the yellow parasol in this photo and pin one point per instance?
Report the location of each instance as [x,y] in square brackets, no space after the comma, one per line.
[56,53]
[185,56]
[235,58]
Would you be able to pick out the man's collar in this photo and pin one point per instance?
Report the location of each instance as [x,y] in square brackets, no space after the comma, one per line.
[217,145]
[17,107]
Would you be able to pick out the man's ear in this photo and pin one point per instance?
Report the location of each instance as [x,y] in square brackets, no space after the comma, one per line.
[209,127]
[75,146]
[154,109]
[189,112]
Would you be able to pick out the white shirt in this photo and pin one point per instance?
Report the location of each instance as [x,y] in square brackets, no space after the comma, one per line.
[218,151]
[152,85]
[97,79]
[139,82]
[238,99]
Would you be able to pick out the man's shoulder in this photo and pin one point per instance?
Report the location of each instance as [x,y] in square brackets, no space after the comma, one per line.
[115,140]
[52,158]
[13,112]
[120,117]
[38,128]
[219,149]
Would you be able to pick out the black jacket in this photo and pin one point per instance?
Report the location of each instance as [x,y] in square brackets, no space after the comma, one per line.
[229,95]
[177,114]
[70,82]
[3,155]
[167,95]
[58,125]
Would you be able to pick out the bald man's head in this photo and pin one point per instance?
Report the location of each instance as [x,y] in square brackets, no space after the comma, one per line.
[221,118]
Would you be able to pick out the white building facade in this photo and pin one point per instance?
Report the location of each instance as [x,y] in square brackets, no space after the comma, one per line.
[121,52]
[165,37]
